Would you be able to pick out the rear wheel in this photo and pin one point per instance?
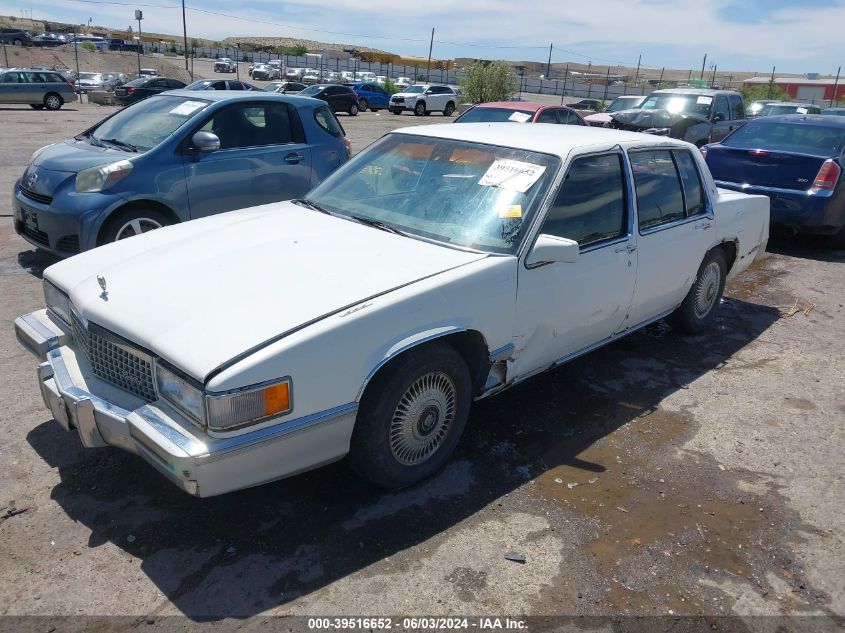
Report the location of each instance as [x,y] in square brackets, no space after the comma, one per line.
[411,417]
[353,109]
[132,222]
[837,240]
[419,109]
[363,105]
[697,311]
[17,43]
[449,109]
[52,101]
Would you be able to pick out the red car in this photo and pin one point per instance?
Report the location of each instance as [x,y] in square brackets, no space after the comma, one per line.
[520,112]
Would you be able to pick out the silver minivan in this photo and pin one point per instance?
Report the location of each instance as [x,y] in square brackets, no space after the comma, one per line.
[38,88]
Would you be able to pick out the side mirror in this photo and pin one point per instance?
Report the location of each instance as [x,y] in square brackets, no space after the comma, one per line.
[428,92]
[549,248]
[719,117]
[205,142]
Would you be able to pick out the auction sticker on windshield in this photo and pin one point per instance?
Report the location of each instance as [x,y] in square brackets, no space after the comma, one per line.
[513,175]
[188,107]
[704,100]
[519,117]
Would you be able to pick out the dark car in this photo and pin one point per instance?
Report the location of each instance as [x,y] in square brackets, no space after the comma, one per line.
[284,87]
[144,87]
[171,158]
[834,112]
[695,115]
[788,107]
[47,40]
[588,104]
[370,95]
[125,45]
[15,37]
[520,112]
[219,84]
[796,160]
[339,98]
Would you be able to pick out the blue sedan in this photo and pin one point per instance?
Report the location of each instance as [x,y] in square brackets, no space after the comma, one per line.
[171,158]
[797,161]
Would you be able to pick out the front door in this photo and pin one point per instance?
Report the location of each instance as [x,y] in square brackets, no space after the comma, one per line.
[564,308]
[722,123]
[262,158]
[675,225]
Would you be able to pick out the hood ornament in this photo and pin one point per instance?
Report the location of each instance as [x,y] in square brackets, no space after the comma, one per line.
[31,180]
[102,281]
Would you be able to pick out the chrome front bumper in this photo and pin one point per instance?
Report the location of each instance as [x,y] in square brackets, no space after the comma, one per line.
[204,466]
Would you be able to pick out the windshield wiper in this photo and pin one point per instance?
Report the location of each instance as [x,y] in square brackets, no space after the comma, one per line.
[121,144]
[91,139]
[302,202]
[377,224]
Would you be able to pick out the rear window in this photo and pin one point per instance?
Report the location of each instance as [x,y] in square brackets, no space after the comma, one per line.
[326,120]
[495,115]
[819,140]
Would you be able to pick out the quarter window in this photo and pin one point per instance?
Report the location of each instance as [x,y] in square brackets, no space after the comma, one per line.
[694,200]
[547,116]
[591,204]
[659,195]
[326,120]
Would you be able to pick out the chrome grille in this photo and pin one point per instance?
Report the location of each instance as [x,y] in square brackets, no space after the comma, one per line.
[114,361]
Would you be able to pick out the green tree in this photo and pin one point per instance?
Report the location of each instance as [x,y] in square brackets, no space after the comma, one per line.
[89,46]
[390,86]
[488,82]
[764,91]
[297,50]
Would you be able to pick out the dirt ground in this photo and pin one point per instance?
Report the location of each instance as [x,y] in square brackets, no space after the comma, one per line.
[663,475]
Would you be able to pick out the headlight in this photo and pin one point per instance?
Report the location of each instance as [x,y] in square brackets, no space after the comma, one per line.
[57,301]
[179,392]
[235,408]
[101,177]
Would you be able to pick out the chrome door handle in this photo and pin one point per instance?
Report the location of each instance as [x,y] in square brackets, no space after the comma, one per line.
[630,248]
[702,226]
[294,158]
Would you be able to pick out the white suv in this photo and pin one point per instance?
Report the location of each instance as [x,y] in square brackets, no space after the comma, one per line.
[423,99]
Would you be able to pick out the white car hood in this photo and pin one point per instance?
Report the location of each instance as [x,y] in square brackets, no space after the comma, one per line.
[202,292]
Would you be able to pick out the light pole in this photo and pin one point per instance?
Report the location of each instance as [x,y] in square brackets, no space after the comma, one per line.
[138,51]
[139,15]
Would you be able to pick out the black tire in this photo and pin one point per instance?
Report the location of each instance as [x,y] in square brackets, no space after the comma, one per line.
[36,106]
[697,311]
[363,105]
[374,109]
[393,453]
[396,110]
[419,109]
[353,110]
[115,227]
[837,240]
[53,101]
[449,109]
[17,43]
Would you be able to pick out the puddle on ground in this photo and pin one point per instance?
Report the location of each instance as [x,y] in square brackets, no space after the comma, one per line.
[751,284]
[657,509]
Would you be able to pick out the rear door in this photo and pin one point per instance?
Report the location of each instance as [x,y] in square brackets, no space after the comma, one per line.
[263,158]
[674,220]
[11,88]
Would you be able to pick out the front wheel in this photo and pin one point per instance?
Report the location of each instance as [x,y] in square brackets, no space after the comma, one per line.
[419,109]
[396,110]
[449,109]
[52,101]
[411,417]
[132,222]
[353,109]
[697,311]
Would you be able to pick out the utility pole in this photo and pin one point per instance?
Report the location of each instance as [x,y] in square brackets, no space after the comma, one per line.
[701,76]
[565,75]
[139,15]
[6,55]
[771,83]
[637,76]
[832,96]
[713,76]
[76,57]
[430,47]
[185,35]
[549,66]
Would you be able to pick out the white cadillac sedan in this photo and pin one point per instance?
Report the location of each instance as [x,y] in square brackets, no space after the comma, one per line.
[442,264]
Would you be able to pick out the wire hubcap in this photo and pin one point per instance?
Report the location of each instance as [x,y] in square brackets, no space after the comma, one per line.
[708,289]
[423,418]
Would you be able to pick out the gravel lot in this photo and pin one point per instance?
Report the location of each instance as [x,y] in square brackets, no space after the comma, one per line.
[661,475]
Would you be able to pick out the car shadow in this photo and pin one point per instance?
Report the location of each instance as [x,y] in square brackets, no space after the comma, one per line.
[26,107]
[812,247]
[35,261]
[244,553]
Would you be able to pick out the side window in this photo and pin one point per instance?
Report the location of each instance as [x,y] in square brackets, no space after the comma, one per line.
[158,83]
[737,108]
[722,108]
[254,126]
[220,85]
[380,90]
[172,84]
[547,116]
[326,120]
[659,195]
[591,203]
[694,199]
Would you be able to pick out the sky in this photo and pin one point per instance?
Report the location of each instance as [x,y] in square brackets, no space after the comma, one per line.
[752,35]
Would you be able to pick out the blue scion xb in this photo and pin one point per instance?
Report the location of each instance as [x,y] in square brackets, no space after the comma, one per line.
[174,157]
[796,160]
[370,95]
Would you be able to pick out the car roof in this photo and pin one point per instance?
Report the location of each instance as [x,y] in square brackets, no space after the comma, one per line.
[557,140]
[694,91]
[803,119]
[244,95]
[516,105]
[793,103]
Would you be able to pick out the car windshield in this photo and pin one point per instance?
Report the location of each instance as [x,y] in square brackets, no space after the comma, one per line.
[676,103]
[495,115]
[149,122]
[461,193]
[818,140]
[90,75]
[198,85]
[414,89]
[834,112]
[272,86]
[774,108]
[311,90]
[622,104]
